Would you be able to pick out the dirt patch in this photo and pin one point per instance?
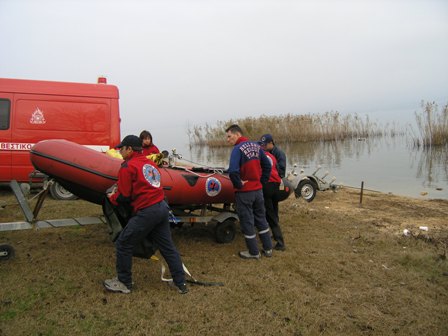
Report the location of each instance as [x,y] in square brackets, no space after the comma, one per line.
[347,270]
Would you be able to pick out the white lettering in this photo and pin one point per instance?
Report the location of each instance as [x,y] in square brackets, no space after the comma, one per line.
[250,150]
[15,146]
[21,146]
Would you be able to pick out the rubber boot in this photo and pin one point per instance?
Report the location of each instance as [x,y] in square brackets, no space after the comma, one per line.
[278,237]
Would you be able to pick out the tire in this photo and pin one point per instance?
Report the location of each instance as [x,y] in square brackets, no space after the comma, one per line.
[6,252]
[307,189]
[58,192]
[225,232]
[284,193]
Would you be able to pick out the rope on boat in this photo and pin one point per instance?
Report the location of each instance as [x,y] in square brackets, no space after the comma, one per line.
[215,171]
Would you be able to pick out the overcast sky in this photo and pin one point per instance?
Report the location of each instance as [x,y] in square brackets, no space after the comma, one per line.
[186,62]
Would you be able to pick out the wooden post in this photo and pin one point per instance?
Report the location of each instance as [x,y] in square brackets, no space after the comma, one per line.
[362,190]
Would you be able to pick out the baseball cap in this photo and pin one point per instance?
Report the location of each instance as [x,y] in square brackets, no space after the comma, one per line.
[132,141]
[265,139]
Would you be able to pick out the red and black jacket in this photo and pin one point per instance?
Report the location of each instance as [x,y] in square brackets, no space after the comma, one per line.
[139,183]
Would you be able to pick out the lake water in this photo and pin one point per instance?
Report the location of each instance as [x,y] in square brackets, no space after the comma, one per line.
[385,164]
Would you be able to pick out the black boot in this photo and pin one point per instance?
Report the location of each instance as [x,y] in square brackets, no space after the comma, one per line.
[278,237]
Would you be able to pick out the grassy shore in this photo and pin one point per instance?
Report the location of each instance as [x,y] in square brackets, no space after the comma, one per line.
[348,270]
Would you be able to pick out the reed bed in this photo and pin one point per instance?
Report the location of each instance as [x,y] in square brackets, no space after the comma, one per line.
[290,128]
[432,125]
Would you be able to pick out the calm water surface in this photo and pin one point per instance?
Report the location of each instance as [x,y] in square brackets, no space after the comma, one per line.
[385,164]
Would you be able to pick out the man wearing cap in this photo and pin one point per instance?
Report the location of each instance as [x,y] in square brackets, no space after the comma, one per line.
[267,142]
[249,169]
[139,187]
[270,189]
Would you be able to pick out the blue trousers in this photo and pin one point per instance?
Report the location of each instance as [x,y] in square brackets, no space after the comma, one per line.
[153,222]
[252,215]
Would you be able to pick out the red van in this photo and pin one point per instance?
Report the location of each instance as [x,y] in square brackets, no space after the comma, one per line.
[34,110]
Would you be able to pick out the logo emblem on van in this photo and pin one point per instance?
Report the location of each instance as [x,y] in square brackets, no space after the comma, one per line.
[37,117]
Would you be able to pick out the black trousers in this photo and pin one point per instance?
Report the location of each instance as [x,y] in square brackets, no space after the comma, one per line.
[270,192]
[151,221]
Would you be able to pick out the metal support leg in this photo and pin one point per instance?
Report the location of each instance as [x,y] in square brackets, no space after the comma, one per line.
[29,216]
[40,201]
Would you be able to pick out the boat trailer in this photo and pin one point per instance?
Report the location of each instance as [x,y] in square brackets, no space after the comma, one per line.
[307,185]
[31,221]
[223,219]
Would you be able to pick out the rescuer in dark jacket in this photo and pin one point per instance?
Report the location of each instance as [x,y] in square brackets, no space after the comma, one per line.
[269,145]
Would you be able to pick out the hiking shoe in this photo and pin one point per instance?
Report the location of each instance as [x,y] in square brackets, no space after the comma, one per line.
[115,285]
[279,247]
[183,289]
[267,253]
[247,255]
[130,287]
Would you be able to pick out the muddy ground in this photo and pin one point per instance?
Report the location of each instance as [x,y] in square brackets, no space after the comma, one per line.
[348,270]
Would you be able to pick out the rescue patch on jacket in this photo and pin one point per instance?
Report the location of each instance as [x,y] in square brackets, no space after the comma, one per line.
[151,175]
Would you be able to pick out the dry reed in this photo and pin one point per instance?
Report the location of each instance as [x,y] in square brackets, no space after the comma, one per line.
[290,128]
[432,125]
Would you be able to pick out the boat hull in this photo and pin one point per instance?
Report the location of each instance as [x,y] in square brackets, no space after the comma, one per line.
[89,174]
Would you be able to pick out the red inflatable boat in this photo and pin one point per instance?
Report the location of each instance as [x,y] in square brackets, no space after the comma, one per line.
[88,174]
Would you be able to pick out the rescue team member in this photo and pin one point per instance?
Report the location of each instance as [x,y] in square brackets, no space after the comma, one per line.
[268,144]
[270,195]
[148,145]
[249,168]
[139,186]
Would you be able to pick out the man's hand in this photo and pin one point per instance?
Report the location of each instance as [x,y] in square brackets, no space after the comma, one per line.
[114,190]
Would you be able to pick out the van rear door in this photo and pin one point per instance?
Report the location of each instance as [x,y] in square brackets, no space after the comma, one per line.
[5,136]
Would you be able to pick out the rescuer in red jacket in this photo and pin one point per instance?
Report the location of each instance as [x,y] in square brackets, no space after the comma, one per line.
[271,199]
[139,187]
[148,145]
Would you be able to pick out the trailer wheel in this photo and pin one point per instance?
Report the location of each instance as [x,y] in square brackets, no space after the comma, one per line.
[58,192]
[225,231]
[306,189]
[6,252]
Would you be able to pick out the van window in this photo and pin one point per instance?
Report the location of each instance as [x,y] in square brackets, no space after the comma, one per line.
[5,105]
